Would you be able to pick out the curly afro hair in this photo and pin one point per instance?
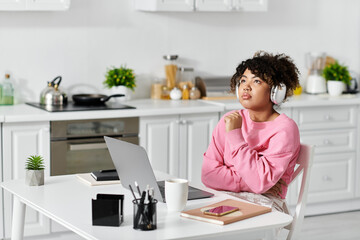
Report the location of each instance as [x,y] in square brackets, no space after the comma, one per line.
[273,69]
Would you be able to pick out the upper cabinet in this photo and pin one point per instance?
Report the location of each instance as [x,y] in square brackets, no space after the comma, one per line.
[34,5]
[201,5]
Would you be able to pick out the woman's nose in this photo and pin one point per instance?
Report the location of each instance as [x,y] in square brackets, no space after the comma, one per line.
[246,87]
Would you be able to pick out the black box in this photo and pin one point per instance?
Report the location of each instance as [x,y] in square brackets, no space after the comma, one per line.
[107,210]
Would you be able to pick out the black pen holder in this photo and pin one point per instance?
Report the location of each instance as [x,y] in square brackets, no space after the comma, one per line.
[107,210]
[144,215]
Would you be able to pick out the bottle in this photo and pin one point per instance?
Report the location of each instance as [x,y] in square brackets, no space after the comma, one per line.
[185,92]
[7,97]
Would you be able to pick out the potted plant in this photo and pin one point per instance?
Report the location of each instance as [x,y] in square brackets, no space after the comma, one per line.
[34,166]
[337,76]
[119,80]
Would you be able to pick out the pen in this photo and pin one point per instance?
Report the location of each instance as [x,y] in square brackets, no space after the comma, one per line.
[133,194]
[140,211]
[138,188]
[147,196]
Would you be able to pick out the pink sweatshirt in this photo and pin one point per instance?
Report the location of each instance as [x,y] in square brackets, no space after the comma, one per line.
[253,158]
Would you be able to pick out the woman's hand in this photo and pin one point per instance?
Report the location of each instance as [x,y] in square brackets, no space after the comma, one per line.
[233,121]
[277,188]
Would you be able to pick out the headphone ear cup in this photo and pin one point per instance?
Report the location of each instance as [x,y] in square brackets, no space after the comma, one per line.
[278,93]
[237,91]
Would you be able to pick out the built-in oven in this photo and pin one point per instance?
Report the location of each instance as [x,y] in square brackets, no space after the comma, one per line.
[78,146]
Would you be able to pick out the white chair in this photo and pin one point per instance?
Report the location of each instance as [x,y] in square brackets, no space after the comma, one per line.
[303,163]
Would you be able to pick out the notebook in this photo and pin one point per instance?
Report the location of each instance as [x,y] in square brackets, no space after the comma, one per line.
[246,210]
[132,164]
[105,175]
[88,179]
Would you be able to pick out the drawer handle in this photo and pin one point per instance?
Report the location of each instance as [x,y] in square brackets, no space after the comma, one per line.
[183,122]
[87,146]
[326,178]
[327,117]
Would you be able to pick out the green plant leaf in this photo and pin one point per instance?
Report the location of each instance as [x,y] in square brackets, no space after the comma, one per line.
[120,77]
[34,162]
[337,72]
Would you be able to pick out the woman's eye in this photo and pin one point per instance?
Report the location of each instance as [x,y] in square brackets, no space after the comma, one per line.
[257,81]
[242,81]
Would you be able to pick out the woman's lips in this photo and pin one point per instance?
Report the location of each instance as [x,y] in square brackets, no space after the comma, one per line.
[246,96]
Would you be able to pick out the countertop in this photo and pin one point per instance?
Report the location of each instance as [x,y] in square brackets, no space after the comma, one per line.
[303,100]
[144,107]
[151,107]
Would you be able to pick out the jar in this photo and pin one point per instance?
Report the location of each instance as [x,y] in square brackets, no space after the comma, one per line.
[195,93]
[186,75]
[171,70]
[165,94]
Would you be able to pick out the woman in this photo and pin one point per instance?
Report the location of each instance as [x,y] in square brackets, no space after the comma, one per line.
[255,149]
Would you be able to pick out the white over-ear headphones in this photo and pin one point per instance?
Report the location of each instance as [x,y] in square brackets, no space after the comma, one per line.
[277,94]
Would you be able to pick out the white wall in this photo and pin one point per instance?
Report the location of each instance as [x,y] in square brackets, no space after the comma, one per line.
[81,43]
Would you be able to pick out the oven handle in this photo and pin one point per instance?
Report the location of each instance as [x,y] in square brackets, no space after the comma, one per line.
[87,146]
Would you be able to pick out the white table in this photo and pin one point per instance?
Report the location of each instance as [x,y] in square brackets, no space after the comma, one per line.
[67,200]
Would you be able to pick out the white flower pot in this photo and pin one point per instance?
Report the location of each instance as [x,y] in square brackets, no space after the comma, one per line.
[335,88]
[121,90]
[34,177]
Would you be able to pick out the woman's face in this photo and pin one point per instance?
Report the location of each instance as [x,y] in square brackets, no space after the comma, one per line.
[254,93]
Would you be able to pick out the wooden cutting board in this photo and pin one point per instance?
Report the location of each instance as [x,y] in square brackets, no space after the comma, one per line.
[219,98]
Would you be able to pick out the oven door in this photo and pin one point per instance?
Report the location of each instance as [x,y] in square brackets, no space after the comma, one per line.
[82,155]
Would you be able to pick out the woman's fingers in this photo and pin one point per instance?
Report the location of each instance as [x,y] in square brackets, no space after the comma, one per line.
[233,121]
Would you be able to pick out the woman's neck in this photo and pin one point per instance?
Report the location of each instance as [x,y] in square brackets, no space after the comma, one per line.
[263,116]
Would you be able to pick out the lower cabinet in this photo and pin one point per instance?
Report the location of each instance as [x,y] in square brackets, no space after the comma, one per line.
[20,140]
[1,191]
[334,133]
[176,143]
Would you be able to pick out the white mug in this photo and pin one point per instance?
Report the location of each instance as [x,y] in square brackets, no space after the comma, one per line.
[176,194]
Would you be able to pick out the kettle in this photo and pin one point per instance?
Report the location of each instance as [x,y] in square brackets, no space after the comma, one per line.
[51,95]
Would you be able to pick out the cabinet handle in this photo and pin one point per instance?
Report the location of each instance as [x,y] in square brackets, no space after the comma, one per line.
[87,146]
[326,178]
[327,117]
[326,142]
[184,122]
[177,121]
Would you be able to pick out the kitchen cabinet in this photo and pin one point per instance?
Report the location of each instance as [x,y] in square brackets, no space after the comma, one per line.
[201,5]
[2,191]
[333,132]
[176,143]
[20,140]
[34,5]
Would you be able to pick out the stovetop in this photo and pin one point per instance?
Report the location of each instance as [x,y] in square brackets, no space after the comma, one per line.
[70,107]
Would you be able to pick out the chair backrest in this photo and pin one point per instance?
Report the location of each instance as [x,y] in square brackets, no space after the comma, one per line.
[304,163]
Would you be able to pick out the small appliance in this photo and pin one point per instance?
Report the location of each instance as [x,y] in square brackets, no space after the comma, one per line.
[315,62]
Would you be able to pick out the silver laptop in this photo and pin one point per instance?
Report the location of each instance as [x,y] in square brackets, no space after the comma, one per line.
[132,164]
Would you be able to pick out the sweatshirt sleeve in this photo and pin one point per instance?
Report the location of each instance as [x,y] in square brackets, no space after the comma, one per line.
[215,173]
[261,171]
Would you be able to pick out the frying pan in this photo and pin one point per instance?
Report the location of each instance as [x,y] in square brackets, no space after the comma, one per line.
[92,99]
